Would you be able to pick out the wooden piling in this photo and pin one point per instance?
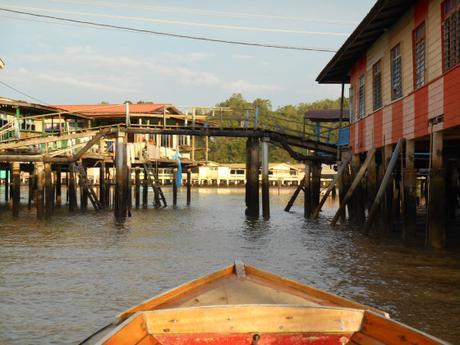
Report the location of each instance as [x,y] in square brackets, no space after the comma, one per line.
[436,194]
[388,216]
[102,185]
[72,189]
[265,181]
[40,181]
[137,192]
[356,202]
[121,177]
[307,204]
[7,183]
[48,191]
[31,194]
[16,188]
[410,197]
[315,185]
[58,186]
[174,187]
[371,182]
[83,190]
[189,186]
[145,190]
[252,177]
[386,180]
[354,185]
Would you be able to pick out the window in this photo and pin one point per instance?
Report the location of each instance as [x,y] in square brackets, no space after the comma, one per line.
[451,33]
[419,56]
[377,85]
[361,110]
[396,77]
[351,98]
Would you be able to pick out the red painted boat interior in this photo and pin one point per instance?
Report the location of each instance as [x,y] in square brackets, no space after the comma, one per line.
[252,339]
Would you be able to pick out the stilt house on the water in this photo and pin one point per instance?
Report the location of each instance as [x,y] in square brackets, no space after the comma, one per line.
[403,66]
[156,146]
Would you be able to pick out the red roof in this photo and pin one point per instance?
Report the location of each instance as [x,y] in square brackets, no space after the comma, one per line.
[117,110]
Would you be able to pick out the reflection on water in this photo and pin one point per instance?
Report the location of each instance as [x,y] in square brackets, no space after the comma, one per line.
[60,280]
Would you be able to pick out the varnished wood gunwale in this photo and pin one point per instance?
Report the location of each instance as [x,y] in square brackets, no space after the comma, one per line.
[197,286]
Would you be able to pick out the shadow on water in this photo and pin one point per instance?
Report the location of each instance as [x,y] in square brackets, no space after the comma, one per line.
[63,278]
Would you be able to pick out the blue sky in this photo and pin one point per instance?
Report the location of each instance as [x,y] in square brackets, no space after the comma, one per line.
[71,63]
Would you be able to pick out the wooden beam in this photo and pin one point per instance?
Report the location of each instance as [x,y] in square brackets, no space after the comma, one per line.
[356,181]
[343,166]
[294,196]
[386,179]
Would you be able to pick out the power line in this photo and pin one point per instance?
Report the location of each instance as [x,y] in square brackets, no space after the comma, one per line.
[22,93]
[208,13]
[168,34]
[184,23]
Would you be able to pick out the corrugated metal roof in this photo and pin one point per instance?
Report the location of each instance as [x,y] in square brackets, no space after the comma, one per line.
[118,110]
[382,16]
[327,115]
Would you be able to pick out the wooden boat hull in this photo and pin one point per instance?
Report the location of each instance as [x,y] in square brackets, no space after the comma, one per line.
[244,305]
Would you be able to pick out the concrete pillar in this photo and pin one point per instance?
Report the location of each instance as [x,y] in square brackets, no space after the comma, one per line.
[252,177]
[436,194]
[265,179]
[16,187]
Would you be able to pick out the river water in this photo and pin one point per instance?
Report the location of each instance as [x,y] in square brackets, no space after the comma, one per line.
[60,280]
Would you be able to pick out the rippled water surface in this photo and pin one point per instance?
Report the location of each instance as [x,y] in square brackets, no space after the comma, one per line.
[61,280]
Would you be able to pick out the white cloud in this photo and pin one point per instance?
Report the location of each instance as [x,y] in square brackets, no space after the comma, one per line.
[245,86]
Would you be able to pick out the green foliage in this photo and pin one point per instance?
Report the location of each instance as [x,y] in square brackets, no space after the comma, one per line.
[290,117]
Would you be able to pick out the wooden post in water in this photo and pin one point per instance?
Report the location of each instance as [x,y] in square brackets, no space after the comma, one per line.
[137,192]
[7,182]
[386,179]
[388,200]
[48,191]
[354,185]
[121,177]
[265,181]
[371,183]
[436,213]
[307,207]
[31,186]
[145,190]
[356,202]
[252,177]
[40,181]
[174,187]
[83,190]
[189,186]
[16,187]
[315,185]
[410,190]
[102,185]
[58,186]
[72,189]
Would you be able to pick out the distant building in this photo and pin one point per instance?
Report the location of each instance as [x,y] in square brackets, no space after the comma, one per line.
[155,146]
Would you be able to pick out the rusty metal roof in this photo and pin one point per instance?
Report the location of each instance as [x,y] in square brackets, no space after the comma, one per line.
[382,16]
[327,115]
